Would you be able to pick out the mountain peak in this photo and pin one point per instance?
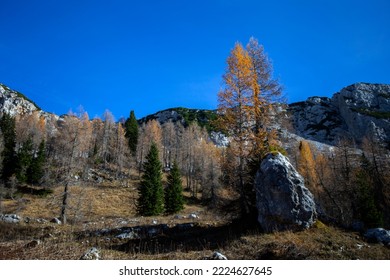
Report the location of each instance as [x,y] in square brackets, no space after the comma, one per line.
[15,103]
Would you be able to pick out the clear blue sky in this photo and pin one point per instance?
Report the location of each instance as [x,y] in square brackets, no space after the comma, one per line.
[152,55]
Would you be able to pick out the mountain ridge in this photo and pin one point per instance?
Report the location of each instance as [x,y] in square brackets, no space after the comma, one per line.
[354,112]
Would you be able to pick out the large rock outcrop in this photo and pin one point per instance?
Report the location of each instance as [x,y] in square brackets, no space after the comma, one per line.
[283,201]
[365,110]
[15,103]
[356,111]
[317,119]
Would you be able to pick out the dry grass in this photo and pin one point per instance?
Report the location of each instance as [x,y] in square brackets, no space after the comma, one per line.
[112,206]
[317,243]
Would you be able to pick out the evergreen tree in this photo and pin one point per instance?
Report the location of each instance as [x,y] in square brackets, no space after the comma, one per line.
[24,159]
[7,126]
[35,171]
[151,193]
[131,126]
[368,209]
[173,197]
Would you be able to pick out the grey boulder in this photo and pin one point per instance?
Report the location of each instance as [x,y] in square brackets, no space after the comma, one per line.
[283,202]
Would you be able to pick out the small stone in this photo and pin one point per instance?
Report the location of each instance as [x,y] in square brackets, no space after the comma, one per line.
[193,216]
[127,235]
[33,244]
[218,256]
[10,218]
[91,254]
[40,221]
[55,221]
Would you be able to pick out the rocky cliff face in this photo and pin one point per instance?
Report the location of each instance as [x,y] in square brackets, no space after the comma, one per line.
[365,110]
[356,111]
[317,119]
[14,103]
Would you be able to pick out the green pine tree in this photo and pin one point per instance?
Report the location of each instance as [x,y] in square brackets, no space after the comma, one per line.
[131,127]
[24,159]
[36,171]
[151,193]
[7,126]
[173,197]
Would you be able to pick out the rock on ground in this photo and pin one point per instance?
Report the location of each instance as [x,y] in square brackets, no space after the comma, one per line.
[218,256]
[283,201]
[378,235]
[91,254]
[56,221]
[10,218]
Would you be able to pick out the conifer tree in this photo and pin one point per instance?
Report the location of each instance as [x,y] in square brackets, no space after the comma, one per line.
[368,210]
[151,193]
[173,197]
[235,118]
[131,126]
[7,126]
[265,90]
[36,171]
[24,159]
[244,108]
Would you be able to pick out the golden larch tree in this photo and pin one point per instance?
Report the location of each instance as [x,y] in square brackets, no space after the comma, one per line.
[244,106]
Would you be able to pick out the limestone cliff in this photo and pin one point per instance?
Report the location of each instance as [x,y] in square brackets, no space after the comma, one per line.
[355,111]
[14,103]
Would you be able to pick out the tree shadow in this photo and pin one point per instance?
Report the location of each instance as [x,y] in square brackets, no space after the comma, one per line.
[183,238]
[161,238]
[41,192]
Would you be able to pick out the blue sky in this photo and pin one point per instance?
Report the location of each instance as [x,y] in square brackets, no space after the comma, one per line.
[152,55]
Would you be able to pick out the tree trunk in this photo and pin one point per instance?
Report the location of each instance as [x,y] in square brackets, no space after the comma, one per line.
[64,203]
[243,198]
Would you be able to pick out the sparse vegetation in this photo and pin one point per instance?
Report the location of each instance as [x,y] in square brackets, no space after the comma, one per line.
[373,113]
[203,118]
[27,99]
[384,95]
